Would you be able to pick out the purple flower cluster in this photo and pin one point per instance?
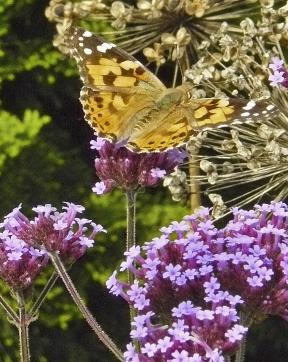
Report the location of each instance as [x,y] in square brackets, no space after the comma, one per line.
[119,167]
[193,280]
[279,73]
[24,243]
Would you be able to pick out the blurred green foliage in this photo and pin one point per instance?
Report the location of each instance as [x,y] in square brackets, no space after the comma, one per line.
[45,158]
[15,134]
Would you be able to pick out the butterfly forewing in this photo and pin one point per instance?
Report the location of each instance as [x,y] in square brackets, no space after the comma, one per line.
[103,65]
[117,88]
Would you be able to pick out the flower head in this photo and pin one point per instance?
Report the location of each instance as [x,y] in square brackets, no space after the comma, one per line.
[118,166]
[192,281]
[50,231]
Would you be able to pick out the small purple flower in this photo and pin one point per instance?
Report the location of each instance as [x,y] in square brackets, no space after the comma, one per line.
[117,166]
[171,271]
[279,74]
[149,349]
[276,64]
[157,173]
[182,356]
[276,78]
[97,144]
[236,333]
[164,344]
[131,355]
[99,188]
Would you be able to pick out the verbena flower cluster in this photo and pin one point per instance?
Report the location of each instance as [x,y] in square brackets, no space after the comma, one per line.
[118,167]
[25,243]
[193,280]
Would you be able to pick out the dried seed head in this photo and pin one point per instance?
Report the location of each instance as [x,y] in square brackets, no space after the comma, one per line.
[171,23]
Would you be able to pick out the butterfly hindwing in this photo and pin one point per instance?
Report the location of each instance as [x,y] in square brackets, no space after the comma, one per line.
[217,112]
[170,129]
[166,130]
[113,115]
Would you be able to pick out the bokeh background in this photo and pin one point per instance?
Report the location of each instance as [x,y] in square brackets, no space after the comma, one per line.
[45,158]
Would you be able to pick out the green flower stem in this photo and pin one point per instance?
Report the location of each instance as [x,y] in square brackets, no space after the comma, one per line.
[104,338]
[37,304]
[12,316]
[131,234]
[240,355]
[245,320]
[23,329]
[131,224]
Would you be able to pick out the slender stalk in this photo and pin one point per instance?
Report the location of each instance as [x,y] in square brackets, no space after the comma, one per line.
[10,312]
[195,199]
[39,301]
[104,338]
[131,224]
[245,320]
[240,354]
[131,234]
[23,326]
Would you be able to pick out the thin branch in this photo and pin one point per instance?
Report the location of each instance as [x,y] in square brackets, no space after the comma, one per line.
[10,312]
[41,298]
[131,233]
[104,338]
[23,329]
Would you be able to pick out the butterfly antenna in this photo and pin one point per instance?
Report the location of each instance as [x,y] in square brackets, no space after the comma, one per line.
[178,69]
[175,74]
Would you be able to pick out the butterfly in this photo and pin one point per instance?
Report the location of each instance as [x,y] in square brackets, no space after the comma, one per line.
[124,102]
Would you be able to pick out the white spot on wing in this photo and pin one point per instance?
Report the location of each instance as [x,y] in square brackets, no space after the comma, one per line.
[87,34]
[87,51]
[104,47]
[245,114]
[270,107]
[249,105]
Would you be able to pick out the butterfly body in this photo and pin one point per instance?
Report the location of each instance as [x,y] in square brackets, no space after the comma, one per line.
[124,102]
[171,97]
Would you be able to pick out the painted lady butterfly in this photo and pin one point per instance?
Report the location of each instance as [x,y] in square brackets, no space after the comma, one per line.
[125,102]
